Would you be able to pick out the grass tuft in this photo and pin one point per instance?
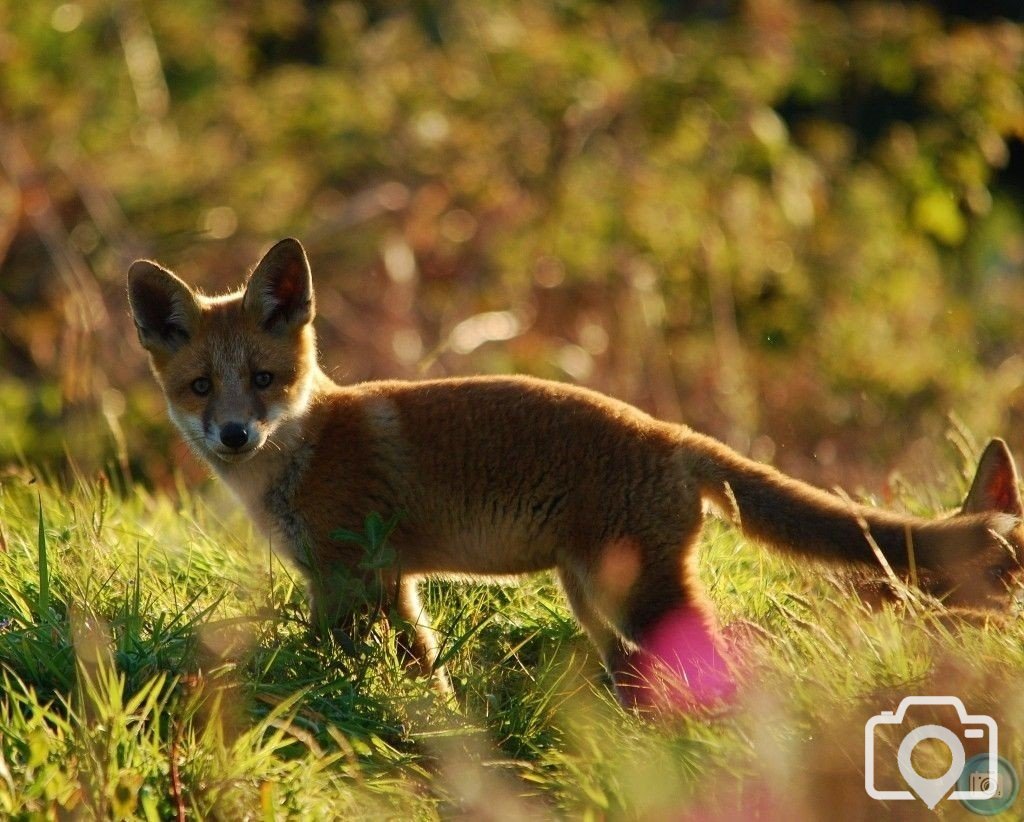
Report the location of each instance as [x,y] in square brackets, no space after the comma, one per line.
[154,665]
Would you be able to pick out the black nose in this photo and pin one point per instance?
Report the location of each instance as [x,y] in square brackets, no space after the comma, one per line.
[234,435]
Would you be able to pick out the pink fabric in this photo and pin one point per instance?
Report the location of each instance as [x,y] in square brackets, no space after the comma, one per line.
[679,666]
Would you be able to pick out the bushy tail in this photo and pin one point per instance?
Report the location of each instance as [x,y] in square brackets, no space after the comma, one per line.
[800,519]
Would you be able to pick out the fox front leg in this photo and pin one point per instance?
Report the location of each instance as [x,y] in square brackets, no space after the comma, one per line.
[347,604]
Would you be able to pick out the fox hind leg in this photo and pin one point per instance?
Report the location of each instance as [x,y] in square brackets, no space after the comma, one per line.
[608,642]
[649,595]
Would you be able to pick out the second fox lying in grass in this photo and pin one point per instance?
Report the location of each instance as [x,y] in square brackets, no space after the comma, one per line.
[505,475]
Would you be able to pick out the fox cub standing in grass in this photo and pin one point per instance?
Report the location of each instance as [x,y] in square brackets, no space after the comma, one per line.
[505,475]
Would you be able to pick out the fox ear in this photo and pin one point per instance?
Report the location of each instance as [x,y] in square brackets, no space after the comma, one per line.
[280,291]
[164,309]
[995,486]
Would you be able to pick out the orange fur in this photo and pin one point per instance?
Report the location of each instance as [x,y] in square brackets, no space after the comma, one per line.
[506,475]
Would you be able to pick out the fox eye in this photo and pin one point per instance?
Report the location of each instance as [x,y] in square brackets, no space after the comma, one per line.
[998,573]
[201,386]
[261,379]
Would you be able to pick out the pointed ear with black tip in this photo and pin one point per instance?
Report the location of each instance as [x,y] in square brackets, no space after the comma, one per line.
[280,291]
[164,309]
[995,487]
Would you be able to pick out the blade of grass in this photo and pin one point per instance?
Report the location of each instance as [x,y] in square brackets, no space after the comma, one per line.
[446,653]
[43,603]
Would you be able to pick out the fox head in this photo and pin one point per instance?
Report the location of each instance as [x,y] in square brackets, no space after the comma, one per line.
[235,369]
[983,571]
[998,571]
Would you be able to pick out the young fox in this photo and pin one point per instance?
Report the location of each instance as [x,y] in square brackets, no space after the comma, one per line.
[505,475]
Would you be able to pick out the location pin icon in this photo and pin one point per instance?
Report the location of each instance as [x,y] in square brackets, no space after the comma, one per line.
[931,791]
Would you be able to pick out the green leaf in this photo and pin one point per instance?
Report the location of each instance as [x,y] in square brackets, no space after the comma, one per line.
[344,535]
[375,531]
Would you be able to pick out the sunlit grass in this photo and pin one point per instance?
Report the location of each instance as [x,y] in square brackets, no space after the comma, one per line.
[161,664]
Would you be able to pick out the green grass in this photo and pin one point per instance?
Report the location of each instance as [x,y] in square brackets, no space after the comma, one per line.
[155,661]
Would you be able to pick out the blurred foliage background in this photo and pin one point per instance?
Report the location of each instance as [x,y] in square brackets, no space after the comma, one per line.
[795,225]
